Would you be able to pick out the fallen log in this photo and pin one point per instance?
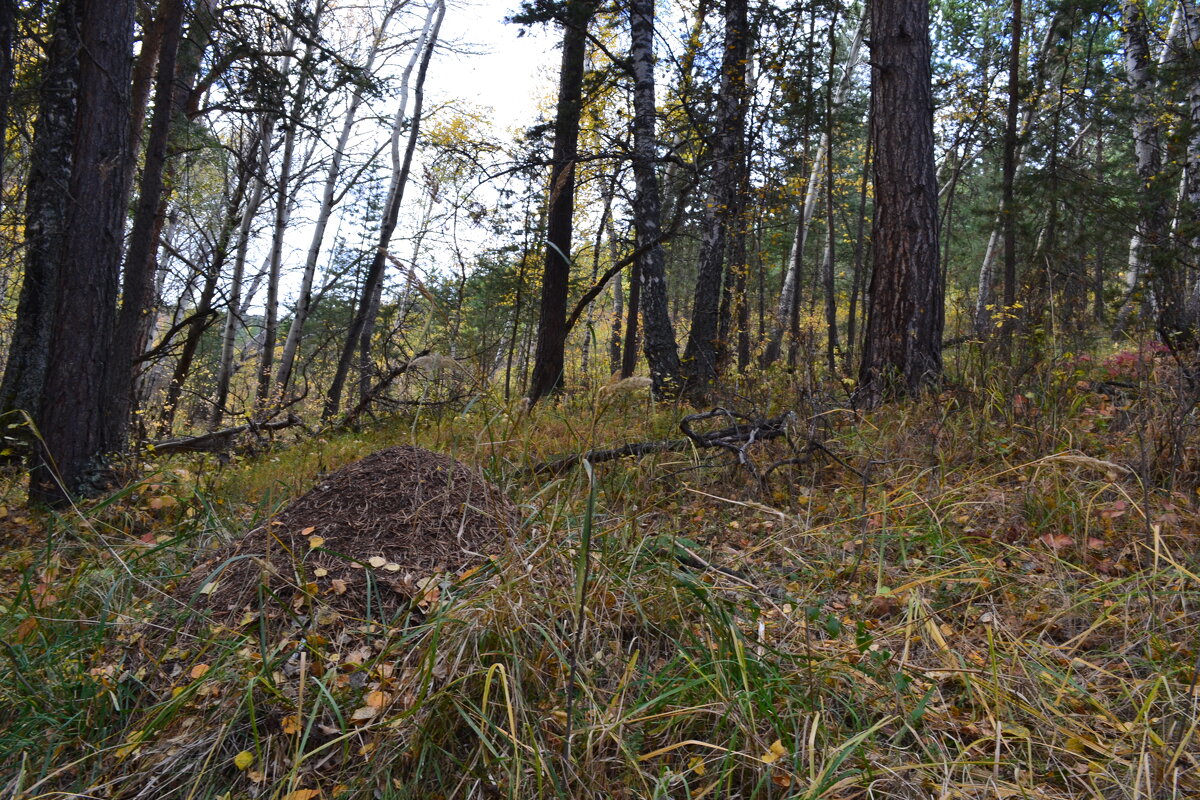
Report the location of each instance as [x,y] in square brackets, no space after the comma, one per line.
[744,432]
[218,441]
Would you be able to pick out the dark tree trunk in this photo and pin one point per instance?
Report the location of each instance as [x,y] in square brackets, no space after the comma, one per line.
[700,357]
[8,35]
[1008,208]
[46,208]
[71,420]
[556,273]
[859,252]
[828,267]
[630,351]
[363,323]
[902,353]
[137,296]
[662,352]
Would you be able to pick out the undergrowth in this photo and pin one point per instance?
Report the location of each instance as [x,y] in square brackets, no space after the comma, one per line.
[985,593]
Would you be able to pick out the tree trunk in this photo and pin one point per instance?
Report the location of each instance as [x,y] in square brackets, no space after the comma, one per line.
[662,352]
[363,321]
[137,295]
[1149,251]
[829,265]
[304,300]
[1191,215]
[202,314]
[629,352]
[560,205]
[792,278]
[260,153]
[283,198]
[902,353]
[71,420]
[1008,209]
[859,252]
[47,203]
[8,35]
[984,296]
[700,356]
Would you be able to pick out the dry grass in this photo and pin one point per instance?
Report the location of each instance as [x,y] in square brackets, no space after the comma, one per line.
[991,597]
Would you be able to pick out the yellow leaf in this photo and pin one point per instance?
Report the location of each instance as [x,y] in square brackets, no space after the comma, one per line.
[365,713]
[243,760]
[696,765]
[302,794]
[315,541]
[209,587]
[776,752]
[198,671]
[290,724]
[378,699]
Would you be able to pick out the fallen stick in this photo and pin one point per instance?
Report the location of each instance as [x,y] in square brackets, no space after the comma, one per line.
[218,441]
[735,438]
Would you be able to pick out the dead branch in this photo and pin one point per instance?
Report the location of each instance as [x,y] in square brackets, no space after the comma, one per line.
[219,441]
[736,438]
[372,394]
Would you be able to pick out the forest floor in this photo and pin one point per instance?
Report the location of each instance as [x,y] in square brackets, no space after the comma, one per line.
[987,593]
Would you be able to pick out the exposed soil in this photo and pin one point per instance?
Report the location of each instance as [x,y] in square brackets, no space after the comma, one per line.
[366,541]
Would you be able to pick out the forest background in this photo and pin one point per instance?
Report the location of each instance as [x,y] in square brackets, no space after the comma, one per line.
[936,265]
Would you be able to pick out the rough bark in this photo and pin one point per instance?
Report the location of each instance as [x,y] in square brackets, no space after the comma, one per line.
[8,31]
[902,351]
[1008,210]
[71,418]
[46,208]
[137,294]
[700,356]
[662,352]
[556,270]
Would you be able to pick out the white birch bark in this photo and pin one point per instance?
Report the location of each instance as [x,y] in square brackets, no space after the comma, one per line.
[332,176]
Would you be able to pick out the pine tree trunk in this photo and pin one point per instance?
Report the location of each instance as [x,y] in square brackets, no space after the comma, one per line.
[71,420]
[8,34]
[1007,207]
[46,209]
[137,294]
[902,351]
[552,329]
[984,296]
